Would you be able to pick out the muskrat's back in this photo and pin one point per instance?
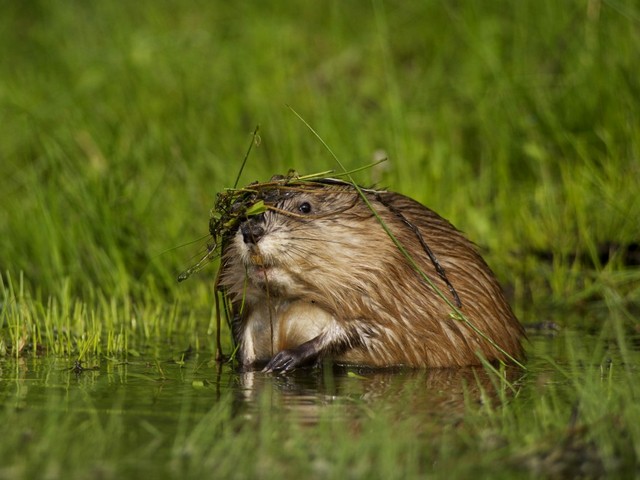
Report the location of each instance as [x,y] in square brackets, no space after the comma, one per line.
[317,276]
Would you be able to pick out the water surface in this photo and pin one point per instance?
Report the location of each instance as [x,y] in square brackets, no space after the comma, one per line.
[157,389]
[152,408]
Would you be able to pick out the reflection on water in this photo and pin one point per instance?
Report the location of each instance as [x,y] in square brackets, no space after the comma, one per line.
[163,392]
[149,416]
[305,394]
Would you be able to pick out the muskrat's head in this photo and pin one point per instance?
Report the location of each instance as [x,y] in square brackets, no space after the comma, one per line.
[306,239]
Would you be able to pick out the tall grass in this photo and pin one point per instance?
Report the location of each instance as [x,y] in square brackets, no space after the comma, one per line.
[516,121]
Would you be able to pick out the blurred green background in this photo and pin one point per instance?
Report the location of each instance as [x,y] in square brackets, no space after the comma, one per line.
[120,121]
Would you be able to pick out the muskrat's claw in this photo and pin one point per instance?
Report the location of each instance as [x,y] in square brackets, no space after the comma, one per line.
[287,360]
[283,361]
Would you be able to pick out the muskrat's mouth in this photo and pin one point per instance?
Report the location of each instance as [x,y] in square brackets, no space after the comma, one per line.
[269,277]
[263,274]
[258,268]
[257,260]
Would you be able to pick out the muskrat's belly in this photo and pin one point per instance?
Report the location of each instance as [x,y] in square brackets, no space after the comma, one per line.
[287,324]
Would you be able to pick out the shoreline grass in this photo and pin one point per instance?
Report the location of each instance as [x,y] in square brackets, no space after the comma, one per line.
[66,326]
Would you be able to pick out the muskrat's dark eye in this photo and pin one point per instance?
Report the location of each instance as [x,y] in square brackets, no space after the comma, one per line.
[304,207]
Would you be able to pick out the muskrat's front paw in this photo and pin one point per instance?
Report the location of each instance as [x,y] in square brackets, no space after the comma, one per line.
[283,361]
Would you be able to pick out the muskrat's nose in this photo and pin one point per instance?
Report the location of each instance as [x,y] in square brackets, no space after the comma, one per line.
[251,231]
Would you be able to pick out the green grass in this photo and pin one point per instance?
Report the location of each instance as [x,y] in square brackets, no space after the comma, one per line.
[518,121]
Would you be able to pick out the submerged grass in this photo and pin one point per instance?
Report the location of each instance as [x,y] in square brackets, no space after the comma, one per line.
[517,121]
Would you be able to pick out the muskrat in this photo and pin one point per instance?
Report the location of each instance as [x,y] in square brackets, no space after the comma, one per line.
[316,276]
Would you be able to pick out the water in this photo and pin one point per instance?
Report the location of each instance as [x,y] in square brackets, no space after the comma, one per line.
[158,389]
[134,413]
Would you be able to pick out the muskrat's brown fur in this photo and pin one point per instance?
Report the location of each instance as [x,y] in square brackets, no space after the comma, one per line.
[316,276]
